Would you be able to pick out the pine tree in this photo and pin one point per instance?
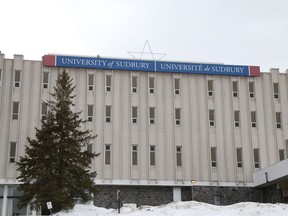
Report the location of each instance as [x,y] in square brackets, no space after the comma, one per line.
[56,165]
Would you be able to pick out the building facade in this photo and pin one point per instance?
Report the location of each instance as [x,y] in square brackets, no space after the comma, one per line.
[166,131]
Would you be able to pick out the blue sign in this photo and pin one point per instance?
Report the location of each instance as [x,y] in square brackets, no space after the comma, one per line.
[150,66]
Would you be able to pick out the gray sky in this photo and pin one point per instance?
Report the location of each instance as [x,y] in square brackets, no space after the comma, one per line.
[238,32]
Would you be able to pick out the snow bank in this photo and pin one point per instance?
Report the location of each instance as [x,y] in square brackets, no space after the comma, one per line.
[185,209]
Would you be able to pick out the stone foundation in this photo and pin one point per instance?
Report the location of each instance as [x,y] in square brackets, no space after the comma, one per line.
[158,195]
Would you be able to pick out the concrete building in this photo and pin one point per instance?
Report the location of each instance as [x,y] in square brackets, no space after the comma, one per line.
[166,130]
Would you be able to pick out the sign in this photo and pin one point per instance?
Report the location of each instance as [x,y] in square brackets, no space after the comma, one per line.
[149,66]
[49,205]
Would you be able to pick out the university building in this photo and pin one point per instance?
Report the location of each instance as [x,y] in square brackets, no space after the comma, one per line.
[167,131]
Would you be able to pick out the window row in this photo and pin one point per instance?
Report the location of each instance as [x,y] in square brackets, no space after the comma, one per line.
[152,115]
[178,156]
[17,79]
[135,155]
[134,83]
[178,151]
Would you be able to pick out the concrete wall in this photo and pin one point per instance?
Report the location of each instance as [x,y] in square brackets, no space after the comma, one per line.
[194,135]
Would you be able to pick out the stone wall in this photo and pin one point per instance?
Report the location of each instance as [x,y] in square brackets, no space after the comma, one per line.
[158,195]
[224,195]
[141,195]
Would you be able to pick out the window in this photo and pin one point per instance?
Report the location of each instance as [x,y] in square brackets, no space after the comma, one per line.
[177,116]
[237,118]
[90,113]
[0,76]
[210,88]
[278,120]
[134,115]
[90,149]
[256,158]
[281,154]
[151,85]
[134,84]
[239,157]
[12,155]
[107,154]
[179,155]
[90,82]
[212,118]
[108,83]
[276,90]
[177,86]
[213,157]
[251,89]
[286,146]
[151,115]
[152,155]
[45,80]
[134,154]
[253,119]
[235,88]
[108,114]
[17,78]
[44,111]
[15,110]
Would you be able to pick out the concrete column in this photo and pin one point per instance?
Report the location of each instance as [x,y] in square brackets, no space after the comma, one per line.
[5,199]
[176,194]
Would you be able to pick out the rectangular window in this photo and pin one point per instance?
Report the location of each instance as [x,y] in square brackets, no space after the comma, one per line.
[213,157]
[177,86]
[45,80]
[134,154]
[235,88]
[134,84]
[107,154]
[239,157]
[256,158]
[281,154]
[210,88]
[90,113]
[286,146]
[212,118]
[177,116]
[108,83]
[44,111]
[90,82]
[12,154]
[134,115]
[253,119]
[108,114]
[151,115]
[276,90]
[237,118]
[90,149]
[152,155]
[179,155]
[17,78]
[151,85]
[15,110]
[251,89]
[278,119]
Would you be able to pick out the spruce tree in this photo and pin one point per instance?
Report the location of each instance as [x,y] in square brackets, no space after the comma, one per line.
[56,164]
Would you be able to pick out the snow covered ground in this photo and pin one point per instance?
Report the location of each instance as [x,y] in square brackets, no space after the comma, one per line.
[185,209]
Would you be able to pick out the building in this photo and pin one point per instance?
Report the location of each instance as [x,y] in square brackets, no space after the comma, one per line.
[166,130]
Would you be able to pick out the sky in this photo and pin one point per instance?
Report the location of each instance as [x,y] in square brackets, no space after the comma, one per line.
[184,209]
[246,32]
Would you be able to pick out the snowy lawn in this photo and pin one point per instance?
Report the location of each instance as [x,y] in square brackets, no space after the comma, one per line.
[183,209]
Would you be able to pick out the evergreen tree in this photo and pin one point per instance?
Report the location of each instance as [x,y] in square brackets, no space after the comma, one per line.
[56,165]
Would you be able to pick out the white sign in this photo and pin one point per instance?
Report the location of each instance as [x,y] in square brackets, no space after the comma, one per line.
[49,205]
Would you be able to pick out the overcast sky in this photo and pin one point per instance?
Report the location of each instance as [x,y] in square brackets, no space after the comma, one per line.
[238,32]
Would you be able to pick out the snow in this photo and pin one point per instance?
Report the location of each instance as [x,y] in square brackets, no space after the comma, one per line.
[184,209]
